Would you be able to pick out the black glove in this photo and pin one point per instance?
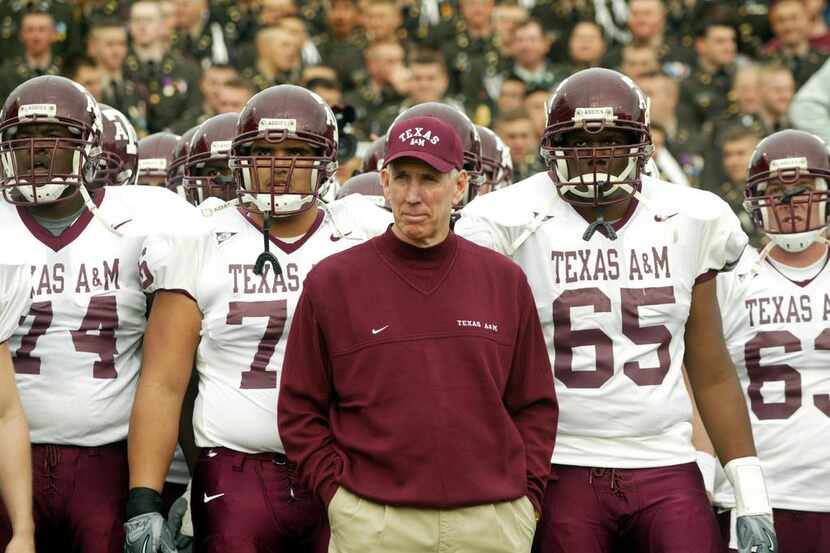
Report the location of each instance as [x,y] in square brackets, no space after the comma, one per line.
[146,531]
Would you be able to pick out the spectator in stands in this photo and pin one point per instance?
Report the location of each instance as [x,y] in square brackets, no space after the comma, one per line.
[213,80]
[536,106]
[506,17]
[37,35]
[234,95]
[84,71]
[474,59]
[638,60]
[819,32]
[529,52]
[278,59]
[746,89]
[681,139]
[738,145]
[328,89]
[272,11]
[777,90]
[511,95]
[198,36]
[429,83]
[169,82]
[385,84]
[342,45]
[790,22]
[383,21]
[586,47]
[515,128]
[810,108]
[706,90]
[668,167]
[647,26]
[296,27]
[108,47]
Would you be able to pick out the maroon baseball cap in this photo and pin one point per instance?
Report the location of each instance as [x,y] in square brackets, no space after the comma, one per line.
[428,139]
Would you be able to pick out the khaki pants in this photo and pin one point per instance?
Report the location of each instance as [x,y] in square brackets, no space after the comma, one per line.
[362,526]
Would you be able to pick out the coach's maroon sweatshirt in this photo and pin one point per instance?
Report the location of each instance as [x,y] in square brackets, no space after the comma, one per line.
[419,377]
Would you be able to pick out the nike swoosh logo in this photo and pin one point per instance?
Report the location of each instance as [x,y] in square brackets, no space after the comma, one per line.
[379,330]
[144,546]
[666,218]
[336,238]
[209,498]
[121,224]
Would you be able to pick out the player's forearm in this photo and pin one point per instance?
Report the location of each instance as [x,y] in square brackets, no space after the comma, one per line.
[723,412]
[153,435]
[16,469]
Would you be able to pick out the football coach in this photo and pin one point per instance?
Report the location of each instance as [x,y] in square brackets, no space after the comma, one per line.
[417,396]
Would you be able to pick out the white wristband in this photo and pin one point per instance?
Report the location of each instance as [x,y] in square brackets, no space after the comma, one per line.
[708,466]
[747,479]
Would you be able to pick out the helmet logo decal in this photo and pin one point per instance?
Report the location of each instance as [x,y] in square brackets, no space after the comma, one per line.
[28,111]
[605,114]
[786,163]
[220,147]
[267,124]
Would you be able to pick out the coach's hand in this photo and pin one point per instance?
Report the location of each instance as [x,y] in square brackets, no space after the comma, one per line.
[753,512]
[146,531]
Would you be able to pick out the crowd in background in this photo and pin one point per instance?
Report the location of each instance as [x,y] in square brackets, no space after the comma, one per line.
[720,75]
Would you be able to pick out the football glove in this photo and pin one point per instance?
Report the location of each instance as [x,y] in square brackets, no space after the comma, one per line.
[753,512]
[146,531]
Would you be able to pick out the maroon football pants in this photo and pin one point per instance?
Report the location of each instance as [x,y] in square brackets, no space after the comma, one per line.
[797,531]
[254,504]
[600,510]
[80,495]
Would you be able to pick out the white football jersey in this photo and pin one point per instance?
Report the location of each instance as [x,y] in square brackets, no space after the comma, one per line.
[246,317]
[613,311]
[78,350]
[778,335]
[15,294]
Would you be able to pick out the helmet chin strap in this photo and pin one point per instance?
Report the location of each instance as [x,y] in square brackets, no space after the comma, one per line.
[266,256]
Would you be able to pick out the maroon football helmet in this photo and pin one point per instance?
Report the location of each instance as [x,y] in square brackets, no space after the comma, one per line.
[594,101]
[175,171]
[209,151]
[274,115]
[373,158]
[495,160]
[155,154]
[119,150]
[48,164]
[468,133]
[366,184]
[787,188]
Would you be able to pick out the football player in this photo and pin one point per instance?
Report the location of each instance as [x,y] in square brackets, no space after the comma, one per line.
[622,267]
[366,184]
[77,352]
[227,304]
[775,308]
[496,163]
[155,154]
[373,157]
[119,150]
[15,452]
[206,171]
[175,171]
